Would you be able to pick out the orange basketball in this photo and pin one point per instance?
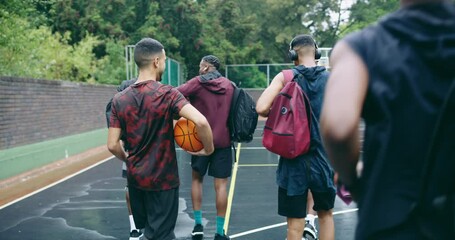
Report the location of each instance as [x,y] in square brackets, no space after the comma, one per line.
[185,136]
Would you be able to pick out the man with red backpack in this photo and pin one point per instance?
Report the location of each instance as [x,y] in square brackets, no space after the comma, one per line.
[311,170]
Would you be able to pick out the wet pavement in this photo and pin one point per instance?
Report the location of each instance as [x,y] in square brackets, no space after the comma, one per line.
[91,205]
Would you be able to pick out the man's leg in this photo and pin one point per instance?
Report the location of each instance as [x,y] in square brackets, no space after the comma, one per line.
[323,204]
[135,233]
[136,205]
[199,165]
[196,196]
[294,209]
[162,212]
[326,225]
[310,230]
[310,204]
[295,228]
[221,203]
[221,169]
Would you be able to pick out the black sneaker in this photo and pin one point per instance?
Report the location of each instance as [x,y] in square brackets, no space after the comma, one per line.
[135,234]
[198,232]
[221,237]
[310,232]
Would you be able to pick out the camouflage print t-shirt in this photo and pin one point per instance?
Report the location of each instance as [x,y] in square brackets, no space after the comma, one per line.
[144,111]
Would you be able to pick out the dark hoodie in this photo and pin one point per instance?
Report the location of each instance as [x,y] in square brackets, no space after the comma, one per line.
[410,56]
[211,94]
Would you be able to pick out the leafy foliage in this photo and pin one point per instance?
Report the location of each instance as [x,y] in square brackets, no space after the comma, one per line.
[366,12]
[81,40]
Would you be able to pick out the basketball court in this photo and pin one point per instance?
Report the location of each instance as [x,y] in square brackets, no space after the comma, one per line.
[90,205]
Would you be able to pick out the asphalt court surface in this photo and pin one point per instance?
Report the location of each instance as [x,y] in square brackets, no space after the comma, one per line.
[91,205]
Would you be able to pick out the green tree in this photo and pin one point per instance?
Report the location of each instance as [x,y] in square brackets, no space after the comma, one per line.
[364,13]
[109,70]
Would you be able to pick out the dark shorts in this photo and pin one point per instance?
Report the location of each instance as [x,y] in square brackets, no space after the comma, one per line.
[219,163]
[295,206]
[155,211]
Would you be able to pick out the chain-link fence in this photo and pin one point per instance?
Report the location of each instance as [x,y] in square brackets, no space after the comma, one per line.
[260,75]
[173,74]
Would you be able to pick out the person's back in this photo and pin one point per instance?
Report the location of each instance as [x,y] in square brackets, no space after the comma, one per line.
[144,112]
[211,94]
[410,60]
[149,134]
[310,171]
[313,84]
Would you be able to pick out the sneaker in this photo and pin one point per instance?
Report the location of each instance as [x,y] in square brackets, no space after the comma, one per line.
[219,237]
[198,232]
[310,232]
[135,234]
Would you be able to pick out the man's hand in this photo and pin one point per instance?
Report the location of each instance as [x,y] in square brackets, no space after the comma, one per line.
[203,152]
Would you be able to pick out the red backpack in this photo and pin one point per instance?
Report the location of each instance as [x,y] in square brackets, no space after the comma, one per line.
[287,129]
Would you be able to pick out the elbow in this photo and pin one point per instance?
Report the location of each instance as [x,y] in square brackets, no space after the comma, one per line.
[111,147]
[202,122]
[262,111]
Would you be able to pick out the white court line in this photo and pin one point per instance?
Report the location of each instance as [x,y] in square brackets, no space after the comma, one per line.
[281,224]
[55,183]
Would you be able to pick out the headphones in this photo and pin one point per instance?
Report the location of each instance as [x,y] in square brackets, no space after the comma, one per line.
[294,56]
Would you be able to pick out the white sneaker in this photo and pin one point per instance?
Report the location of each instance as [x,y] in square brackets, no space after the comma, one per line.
[310,232]
[136,234]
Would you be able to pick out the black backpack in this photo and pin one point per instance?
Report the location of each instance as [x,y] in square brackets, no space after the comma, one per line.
[243,117]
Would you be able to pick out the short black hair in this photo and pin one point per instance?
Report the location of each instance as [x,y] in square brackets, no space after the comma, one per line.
[303,40]
[145,50]
[212,60]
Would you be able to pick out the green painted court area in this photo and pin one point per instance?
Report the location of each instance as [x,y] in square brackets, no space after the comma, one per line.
[24,158]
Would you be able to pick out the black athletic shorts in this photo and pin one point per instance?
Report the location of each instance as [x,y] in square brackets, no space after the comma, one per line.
[295,206]
[219,163]
[156,211]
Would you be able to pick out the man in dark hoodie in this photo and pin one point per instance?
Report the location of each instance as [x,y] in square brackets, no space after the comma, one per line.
[211,94]
[310,171]
[395,75]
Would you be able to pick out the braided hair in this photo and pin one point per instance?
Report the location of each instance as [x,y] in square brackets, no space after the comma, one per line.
[212,60]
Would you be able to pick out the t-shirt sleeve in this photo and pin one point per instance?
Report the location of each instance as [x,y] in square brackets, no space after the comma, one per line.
[178,101]
[114,121]
[189,87]
[108,112]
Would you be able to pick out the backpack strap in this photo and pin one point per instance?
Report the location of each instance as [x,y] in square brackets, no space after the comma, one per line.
[288,75]
[235,96]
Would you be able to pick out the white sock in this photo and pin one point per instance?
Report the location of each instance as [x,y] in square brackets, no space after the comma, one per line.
[310,218]
[132,225]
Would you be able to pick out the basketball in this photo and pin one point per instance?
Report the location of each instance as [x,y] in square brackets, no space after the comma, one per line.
[185,136]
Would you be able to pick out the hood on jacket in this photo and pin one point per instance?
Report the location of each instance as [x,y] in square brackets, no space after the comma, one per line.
[430,29]
[214,82]
[310,73]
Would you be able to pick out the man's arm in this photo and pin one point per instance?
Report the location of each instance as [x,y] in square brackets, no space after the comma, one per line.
[343,101]
[266,99]
[203,129]
[187,88]
[114,145]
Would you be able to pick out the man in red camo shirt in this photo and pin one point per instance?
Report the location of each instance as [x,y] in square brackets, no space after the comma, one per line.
[144,112]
